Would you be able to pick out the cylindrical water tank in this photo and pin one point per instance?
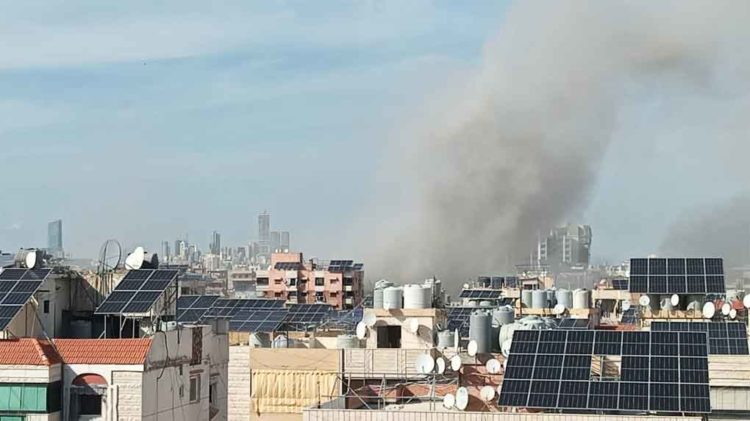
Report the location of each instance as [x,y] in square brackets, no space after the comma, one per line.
[496,282]
[538,298]
[282,341]
[506,332]
[347,341]
[480,330]
[259,340]
[564,297]
[417,296]
[472,303]
[503,315]
[485,303]
[446,339]
[526,297]
[383,284]
[665,302]
[80,329]
[695,303]
[392,297]
[581,298]
[377,298]
[551,299]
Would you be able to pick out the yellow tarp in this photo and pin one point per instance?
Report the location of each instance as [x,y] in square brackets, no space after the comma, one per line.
[290,391]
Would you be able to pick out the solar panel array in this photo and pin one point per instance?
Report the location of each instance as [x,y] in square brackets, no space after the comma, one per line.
[677,276]
[621,284]
[569,323]
[302,315]
[629,317]
[257,320]
[192,308]
[16,288]
[230,307]
[458,318]
[138,291]
[724,338]
[487,294]
[511,282]
[659,371]
[288,266]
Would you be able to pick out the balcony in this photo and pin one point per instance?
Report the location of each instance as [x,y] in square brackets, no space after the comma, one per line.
[382,362]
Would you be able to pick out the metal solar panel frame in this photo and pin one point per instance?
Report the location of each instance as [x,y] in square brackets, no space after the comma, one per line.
[724,338]
[677,275]
[17,286]
[138,292]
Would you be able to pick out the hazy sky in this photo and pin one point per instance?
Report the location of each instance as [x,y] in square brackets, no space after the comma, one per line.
[143,121]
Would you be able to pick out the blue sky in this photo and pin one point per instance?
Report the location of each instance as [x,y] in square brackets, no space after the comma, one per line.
[142,121]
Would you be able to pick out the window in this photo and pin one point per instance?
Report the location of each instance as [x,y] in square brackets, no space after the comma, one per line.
[292,282]
[46,306]
[195,388]
[212,390]
[319,282]
[277,295]
[278,281]
[89,404]
[319,297]
[262,281]
[348,281]
[334,294]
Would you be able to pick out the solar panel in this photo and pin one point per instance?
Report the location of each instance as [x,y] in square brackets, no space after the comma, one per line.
[629,317]
[724,338]
[677,276]
[607,370]
[458,318]
[511,282]
[138,291]
[569,323]
[620,284]
[16,288]
[487,294]
[258,320]
[288,266]
[191,308]
[302,315]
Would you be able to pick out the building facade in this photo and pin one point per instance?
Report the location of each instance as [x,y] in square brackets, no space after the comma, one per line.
[565,247]
[55,238]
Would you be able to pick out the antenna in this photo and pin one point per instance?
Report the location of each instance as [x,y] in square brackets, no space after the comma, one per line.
[30,259]
[558,309]
[110,255]
[134,261]
[449,400]
[440,363]
[709,310]
[472,348]
[487,393]
[456,363]
[424,364]
[675,300]
[644,301]
[493,366]
[361,330]
[462,398]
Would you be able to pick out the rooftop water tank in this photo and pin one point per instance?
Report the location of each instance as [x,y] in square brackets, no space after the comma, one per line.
[446,339]
[485,303]
[392,297]
[282,341]
[480,330]
[417,296]
[665,302]
[581,298]
[564,297]
[377,298]
[503,315]
[383,284]
[347,342]
[538,298]
[526,297]
[551,298]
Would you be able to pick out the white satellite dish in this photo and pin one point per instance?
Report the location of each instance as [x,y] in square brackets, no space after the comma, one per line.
[493,366]
[487,393]
[361,330]
[733,314]
[558,309]
[462,398]
[708,310]
[30,259]
[449,400]
[644,301]
[424,364]
[725,309]
[456,337]
[456,363]
[413,325]
[134,261]
[505,347]
[466,286]
[472,348]
[746,301]
[440,363]
[369,318]
[626,305]
[675,300]
[505,364]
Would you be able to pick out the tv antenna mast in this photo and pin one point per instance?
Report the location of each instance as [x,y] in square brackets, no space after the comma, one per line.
[110,256]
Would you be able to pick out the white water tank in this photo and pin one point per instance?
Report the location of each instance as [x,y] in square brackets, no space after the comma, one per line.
[446,338]
[538,298]
[282,341]
[564,297]
[417,296]
[480,330]
[377,298]
[347,342]
[503,315]
[383,284]
[581,298]
[485,303]
[392,297]
[551,298]
[526,297]
[665,302]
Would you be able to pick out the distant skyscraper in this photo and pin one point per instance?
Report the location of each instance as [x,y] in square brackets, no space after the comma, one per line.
[275,241]
[165,251]
[264,227]
[284,244]
[54,238]
[215,245]
[566,246]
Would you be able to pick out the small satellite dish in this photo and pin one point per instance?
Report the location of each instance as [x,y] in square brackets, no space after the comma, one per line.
[725,309]
[440,363]
[644,301]
[466,286]
[413,325]
[30,259]
[746,301]
[732,314]
[456,363]
[505,347]
[487,393]
[505,364]
[472,348]
[708,310]
[675,300]
[449,400]
[134,261]
[462,398]
[493,366]
[558,309]
[361,330]
[499,388]
[456,337]
[369,319]
[424,364]
[626,305]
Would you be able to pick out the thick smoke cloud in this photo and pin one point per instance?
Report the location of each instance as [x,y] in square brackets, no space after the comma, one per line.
[518,151]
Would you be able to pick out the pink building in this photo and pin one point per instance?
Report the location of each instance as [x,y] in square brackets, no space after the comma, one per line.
[337,282]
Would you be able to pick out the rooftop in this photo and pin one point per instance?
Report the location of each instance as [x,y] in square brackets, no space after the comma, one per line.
[28,351]
[103,351]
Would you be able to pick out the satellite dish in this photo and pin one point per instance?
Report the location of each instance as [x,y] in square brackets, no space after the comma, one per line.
[456,363]
[746,301]
[487,393]
[644,301]
[110,256]
[626,305]
[466,286]
[725,309]
[493,366]
[456,337]
[732,314]
[675,300]
[505,347]
[462,398]
[505,364]
[558,309]
[472,348]
[440,363]
[361,330]
[30,259]
[369,319]
[134,261]
[449,400]
[413,325]
[709,310]
[424,364]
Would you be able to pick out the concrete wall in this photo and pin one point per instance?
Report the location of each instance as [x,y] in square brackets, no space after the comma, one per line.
[30,373]
[239,383]
[361,415]
[110,373]
[128,386]
[423,339]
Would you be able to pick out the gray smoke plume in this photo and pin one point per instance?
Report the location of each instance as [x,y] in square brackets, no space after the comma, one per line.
[519,150]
